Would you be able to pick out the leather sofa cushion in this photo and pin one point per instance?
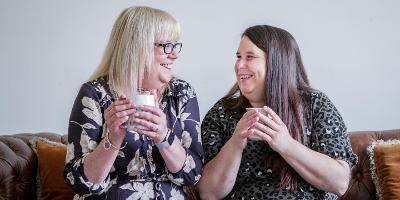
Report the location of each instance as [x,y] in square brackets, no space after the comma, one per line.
[361,185]
[385,168]
[51,159]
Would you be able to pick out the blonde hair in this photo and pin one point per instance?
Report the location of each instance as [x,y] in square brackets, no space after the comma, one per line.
[129,53]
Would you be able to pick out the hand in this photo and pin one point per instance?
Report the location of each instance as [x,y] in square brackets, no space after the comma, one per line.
[154,121]
[274,131]
[244,128]
[116,115]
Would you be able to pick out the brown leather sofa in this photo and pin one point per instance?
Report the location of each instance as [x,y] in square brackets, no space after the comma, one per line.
[18,164]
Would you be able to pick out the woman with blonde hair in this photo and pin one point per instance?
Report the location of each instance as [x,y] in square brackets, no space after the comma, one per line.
[162,154]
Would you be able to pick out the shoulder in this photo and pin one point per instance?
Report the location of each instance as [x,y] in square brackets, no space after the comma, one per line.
[179,88]
[322,107]
[319,99]
[97,90]
[318,95]
[315,98]
[216,111]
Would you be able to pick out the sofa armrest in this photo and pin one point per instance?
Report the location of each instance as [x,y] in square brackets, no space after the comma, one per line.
[361,185]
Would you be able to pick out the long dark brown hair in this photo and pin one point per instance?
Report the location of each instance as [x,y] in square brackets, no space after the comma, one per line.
[285,80]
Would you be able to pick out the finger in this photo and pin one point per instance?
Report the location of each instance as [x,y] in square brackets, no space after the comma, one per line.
[147,133]
[265,129]
[248,132]
[153,109]
[249,116]
[148,117]
[269,122]
[126,112]
[274,116]
[116,122]
[118,106]
[121,97]
[128,104]
[262,135]
[148,124]
[249,113]
[252,120]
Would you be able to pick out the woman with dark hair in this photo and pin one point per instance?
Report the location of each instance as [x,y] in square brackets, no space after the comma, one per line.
[294,146]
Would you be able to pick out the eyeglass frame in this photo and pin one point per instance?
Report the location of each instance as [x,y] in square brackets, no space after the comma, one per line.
[174,46]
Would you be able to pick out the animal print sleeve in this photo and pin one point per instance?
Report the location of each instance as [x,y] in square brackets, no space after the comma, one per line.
[330,130]
[212,131]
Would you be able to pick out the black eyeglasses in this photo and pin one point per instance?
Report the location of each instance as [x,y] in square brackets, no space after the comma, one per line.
[169,47]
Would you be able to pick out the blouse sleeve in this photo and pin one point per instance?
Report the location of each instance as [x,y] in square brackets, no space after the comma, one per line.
[212,132]
[84,133]
[189,117]
[331,132]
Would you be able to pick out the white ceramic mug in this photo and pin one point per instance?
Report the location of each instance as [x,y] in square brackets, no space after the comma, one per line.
[142,97]
[262,111]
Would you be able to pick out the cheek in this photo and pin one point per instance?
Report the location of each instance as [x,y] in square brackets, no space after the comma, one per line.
[261,70]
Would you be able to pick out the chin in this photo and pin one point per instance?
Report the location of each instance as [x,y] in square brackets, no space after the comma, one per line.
[245,91]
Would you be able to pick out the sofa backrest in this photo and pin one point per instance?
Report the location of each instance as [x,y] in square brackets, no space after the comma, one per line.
[18,165]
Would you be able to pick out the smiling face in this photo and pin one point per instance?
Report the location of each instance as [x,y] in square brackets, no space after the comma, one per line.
[250,71]
[161,71]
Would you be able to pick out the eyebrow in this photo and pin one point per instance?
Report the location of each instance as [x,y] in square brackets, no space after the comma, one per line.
[247,52]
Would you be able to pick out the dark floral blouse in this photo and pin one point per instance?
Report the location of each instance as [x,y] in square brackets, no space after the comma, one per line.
[325,132]
[139,171]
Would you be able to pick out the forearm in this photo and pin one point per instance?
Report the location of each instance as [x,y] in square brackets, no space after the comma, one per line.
[97,164]
[318,169]
[219,174]
[174,156]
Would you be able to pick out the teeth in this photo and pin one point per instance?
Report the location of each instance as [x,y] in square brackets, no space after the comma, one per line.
[166,65]
[245,76]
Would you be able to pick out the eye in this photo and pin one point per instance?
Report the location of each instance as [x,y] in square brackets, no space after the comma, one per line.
[238,57]
[249,57]
[169,45]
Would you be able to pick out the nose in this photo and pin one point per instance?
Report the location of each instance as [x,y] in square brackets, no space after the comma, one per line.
[173,55]
[240,63]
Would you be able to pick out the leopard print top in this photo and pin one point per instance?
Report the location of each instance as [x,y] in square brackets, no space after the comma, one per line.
[325,132]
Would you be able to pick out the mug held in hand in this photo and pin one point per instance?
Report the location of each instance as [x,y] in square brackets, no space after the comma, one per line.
[262,111]
[140,99]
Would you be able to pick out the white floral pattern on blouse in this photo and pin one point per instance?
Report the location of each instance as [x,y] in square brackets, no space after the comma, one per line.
[139,172]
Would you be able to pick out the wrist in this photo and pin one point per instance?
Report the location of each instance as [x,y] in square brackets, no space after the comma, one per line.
[164,143]
[115,140]
[238,142]
[161,137]
[107,143]
[288,149]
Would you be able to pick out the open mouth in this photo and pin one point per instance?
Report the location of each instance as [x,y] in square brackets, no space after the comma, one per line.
[245,76]
[168,66]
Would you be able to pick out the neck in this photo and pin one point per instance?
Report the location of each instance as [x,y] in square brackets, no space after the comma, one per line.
[258,104]
[256,101]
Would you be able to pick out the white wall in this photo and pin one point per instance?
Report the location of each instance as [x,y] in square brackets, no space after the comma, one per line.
[49,48]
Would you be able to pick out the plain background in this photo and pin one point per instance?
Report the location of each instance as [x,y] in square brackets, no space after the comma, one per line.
[350,49]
